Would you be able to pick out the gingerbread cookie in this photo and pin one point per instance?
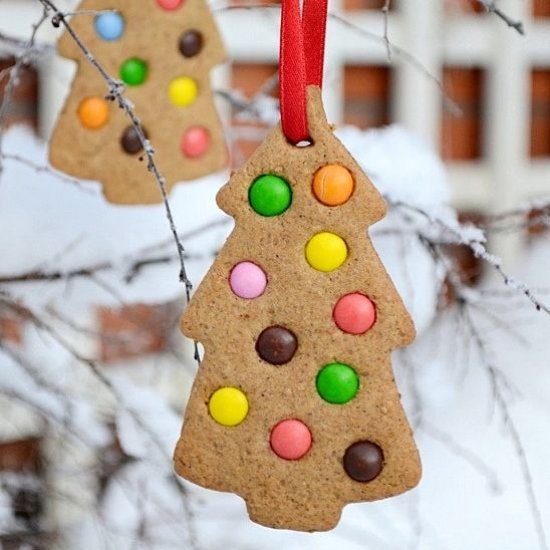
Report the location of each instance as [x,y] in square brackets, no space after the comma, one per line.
[162,50]
[295,406]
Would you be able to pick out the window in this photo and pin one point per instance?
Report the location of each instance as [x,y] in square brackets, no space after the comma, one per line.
[468,267]
[537,222]
[136,330]
[21,472]
[367,96]
[352,5]
[11,328]
[464,6]
[540,113]
[23,106]
[462,133]
[250,79]
[541,8]
[20,456]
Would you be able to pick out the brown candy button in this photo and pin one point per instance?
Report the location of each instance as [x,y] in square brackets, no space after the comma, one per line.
[363,461]
[190,43]
[276,345]
[130,141]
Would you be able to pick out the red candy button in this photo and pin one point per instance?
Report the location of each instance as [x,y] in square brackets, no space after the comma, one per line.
[169,4]
[354,313]
[195,142]
[290,439]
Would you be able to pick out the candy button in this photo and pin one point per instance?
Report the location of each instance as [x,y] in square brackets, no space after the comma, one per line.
[354,313]
[169,4]
[130,141]
[333,185]
[290,439]
[337,383]
[195,142]
[93,112]
[270,195]
[363,461]
[183,91]
[134,71]
[326,252]
[109,26]
[228,406]
[190,43]
[247,280]
[276,345]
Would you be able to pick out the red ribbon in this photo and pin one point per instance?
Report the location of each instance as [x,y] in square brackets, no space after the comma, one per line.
[301,62]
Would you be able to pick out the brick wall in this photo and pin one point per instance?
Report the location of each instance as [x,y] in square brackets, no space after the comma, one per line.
[135,330]
[540,112]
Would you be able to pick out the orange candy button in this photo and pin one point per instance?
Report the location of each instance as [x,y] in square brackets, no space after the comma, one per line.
[93,113]
[333,185]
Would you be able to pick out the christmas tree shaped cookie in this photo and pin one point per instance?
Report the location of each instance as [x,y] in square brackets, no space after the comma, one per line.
[162,50]
[295,407]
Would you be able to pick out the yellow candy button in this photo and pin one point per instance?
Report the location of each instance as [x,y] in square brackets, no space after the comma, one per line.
[326,251]
[183,91]
[228,406]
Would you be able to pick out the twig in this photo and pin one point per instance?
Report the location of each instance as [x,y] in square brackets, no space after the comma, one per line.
[464,454]
[481,252]
[491,7]
[41,169]
[138,262]
[495,380]
[386,11]
[17,44]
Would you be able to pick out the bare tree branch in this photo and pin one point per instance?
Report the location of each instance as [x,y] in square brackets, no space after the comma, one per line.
[491,7]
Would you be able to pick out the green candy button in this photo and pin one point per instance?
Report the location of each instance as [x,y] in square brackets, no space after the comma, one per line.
[134,71]
[270,195]
[337,383]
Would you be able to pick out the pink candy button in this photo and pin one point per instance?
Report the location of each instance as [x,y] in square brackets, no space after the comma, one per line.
[354,313]
[169,4]
[195,142]
[247,280]
[290,439]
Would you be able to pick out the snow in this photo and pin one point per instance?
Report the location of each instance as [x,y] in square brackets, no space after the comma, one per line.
[399,163]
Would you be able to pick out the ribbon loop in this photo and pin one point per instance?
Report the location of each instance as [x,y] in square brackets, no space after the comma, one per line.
[301,62]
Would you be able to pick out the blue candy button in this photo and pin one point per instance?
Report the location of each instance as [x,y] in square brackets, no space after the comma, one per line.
[109,26]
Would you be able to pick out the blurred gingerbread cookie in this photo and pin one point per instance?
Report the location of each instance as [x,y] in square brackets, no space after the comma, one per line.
[162,51]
